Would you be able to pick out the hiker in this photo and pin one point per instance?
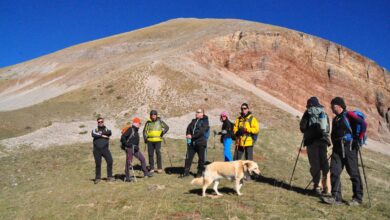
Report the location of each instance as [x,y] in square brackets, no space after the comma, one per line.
[130,143]
[101,138]
[196,143]
[246,129]
[346,142]
[388,118]
[227,135]
[153,133]
[315,128]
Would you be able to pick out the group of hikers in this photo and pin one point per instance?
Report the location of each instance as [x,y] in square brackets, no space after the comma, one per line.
[347,135]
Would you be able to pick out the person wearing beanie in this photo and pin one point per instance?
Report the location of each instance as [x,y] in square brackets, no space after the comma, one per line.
[226,136]
[101,140]
[315,128]
[153,133]
[346,142]
[246,129]
[130,142]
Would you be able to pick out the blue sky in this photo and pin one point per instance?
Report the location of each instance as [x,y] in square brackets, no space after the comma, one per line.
[32,28]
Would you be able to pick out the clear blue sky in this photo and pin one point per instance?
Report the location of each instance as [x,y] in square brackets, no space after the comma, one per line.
[32,28]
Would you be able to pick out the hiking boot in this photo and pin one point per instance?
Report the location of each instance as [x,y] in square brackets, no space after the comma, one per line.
[316,191]
[128,179]
[151,171]
[110,179]
[147,175]
[159,171]
[331,201]
[184,175]
[354,202]
[96,181]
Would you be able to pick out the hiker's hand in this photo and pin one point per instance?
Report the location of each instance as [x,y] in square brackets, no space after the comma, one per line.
[189,136]
[240,131]
[361,142]
[104,136]
[223,132]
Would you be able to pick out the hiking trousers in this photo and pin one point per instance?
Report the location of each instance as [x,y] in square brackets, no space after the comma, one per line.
[350,162]
[227,143]
[154,147]
[239,151]
[129,160]
[98,153]
[191,151]
[317,153]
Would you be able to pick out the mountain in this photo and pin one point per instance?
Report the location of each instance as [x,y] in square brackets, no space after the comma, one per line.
[181,64]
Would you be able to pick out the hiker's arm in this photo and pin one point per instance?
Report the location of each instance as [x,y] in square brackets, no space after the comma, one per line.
[145,132]
[95,134]
[188,131]
[107,134]
[252,128]
[303,123]
[356,119]
[202,130]
[165,126]
[235,128]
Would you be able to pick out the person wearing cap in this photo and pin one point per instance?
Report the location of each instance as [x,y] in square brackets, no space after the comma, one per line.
[246,128]
[226,136]
[101,140]
[196,143]
[315,128]
[130,141]
[346,142]
[153,133]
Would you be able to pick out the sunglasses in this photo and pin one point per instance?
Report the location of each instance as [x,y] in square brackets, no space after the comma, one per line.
[244,108]
[100,122]
[198,112]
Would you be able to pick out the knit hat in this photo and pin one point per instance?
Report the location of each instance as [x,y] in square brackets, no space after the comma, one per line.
[338,101]
[245,105]
[313,101]
[137,120]
[224,114]
[153,112]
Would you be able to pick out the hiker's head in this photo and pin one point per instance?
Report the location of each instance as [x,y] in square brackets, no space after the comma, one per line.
[100,122]
[223,116]
[199,113]
[313,102]
[338,105]
[153,115]
[137,122]
[244,108]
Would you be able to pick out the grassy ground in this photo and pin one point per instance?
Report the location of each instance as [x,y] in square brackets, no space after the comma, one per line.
[56,183]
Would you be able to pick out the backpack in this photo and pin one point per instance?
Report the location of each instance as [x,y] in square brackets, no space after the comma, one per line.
[123,146]
[232,134]
[349,137]
[318,121]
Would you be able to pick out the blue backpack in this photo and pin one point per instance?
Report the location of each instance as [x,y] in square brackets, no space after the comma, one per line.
[349,137]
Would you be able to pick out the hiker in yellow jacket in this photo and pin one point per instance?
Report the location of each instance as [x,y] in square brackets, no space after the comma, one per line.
[153,133]
[246,129]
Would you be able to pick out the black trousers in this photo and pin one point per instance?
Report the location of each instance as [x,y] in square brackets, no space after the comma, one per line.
[317,153]
[154,147]
[191,150]
[350,162]
[239,151]
[98,153]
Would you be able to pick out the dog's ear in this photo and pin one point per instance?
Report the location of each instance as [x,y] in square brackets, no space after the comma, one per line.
[246,164]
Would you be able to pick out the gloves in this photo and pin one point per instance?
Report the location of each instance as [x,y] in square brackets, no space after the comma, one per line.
[360,142]
[223,132]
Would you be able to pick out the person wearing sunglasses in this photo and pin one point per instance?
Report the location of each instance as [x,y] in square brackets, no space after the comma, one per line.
[196,143]
[246,128]
[101,138]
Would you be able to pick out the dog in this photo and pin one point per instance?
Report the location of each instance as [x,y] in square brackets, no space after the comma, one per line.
[235,170]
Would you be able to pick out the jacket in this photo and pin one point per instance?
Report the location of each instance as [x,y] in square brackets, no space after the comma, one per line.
[244,128]
[98,140]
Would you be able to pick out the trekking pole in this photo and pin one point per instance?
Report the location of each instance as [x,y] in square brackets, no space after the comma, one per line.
[215,134]
[364,174]
[318,173]
[296,161]
[131,164]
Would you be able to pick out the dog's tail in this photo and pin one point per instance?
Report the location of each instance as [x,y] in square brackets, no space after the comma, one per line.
[197,181]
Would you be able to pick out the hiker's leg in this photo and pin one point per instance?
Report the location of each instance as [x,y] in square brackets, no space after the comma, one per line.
[127,164]
[249,153]
[189,158]
[227,142]
[352,168]
[158,154]
[336,166]
[98,162]
[141,158]
[324,166]
[201,152]
[313,153]
[151,155]
[108,157]
[238,153]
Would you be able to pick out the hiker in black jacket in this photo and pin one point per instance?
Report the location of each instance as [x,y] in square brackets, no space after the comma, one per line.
[227,135]
[101,137]
[130,142]
[315,127]
[196,143]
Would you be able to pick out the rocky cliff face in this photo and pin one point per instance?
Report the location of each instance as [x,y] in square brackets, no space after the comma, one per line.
[294,66]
